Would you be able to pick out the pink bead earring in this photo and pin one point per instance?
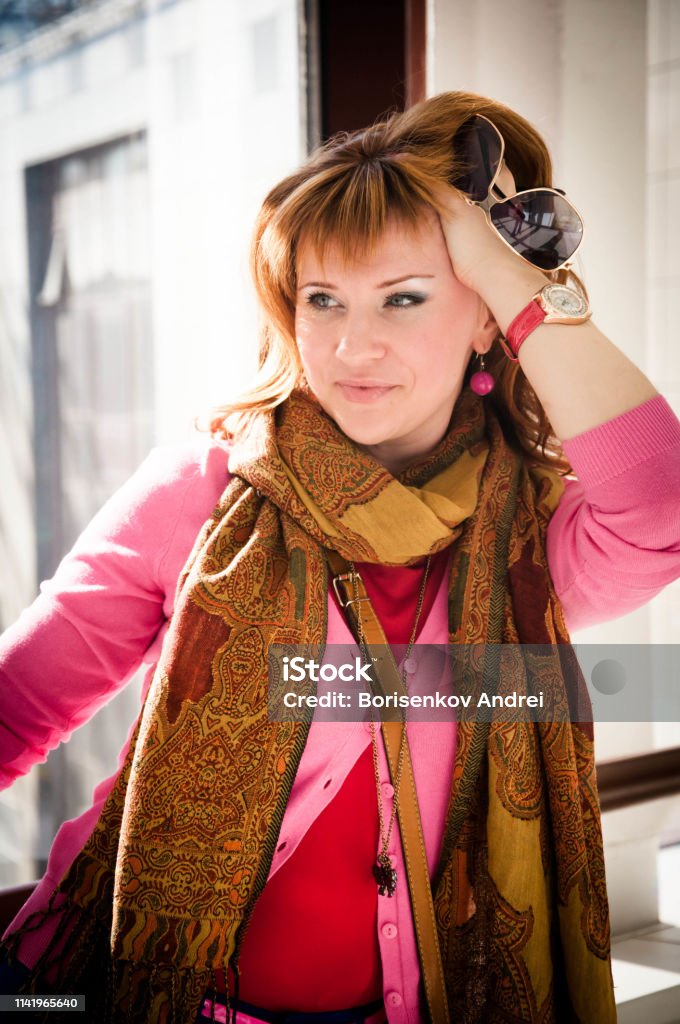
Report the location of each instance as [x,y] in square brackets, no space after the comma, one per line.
[482,382]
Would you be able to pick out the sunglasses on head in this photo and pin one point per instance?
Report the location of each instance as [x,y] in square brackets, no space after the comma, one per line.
[539,224]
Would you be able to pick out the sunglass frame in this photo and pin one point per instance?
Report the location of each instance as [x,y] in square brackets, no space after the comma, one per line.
[491,200]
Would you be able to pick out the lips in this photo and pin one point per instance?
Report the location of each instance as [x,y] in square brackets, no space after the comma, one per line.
[364,390]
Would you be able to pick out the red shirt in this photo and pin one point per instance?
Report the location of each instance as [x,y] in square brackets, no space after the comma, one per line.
[303,951]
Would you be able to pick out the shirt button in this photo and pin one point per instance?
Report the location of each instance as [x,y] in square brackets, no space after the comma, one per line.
[393,999]
[389,930]
[411,664]
[388,790]
[393,859]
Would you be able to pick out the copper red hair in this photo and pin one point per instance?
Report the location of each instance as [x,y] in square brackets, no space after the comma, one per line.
[345,193]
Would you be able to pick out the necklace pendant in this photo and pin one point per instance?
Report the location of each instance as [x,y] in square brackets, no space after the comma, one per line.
[385,876]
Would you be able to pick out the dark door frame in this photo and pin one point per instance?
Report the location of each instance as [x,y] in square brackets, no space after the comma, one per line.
[405,80]
[416,51]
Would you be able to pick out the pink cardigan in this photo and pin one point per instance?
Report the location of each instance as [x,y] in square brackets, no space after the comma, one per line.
[612,544]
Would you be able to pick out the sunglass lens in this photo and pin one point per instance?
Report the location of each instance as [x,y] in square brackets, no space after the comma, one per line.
[477,145]
[543,227]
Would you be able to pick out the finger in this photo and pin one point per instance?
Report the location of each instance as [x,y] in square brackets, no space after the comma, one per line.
[454,205]
[506,180]
[449,198]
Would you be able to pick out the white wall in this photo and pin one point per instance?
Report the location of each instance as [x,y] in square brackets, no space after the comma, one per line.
[223,91]
[579,71]
[215,85]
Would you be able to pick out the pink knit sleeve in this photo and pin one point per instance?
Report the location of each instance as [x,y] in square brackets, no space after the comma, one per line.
[93,623]
[614,541]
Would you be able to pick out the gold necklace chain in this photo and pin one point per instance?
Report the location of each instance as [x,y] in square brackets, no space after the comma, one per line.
[384,872]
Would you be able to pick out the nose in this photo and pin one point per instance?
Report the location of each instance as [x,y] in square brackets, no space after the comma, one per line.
[360,341]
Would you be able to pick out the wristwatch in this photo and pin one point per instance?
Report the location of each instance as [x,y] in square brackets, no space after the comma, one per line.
[553,304]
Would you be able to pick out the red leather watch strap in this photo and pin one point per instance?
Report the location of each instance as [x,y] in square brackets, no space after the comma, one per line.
[526,320]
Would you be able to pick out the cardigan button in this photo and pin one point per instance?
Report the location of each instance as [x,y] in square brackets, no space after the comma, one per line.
[393,999]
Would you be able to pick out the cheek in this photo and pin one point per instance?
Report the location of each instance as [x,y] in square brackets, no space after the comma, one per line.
[308,366]
[444,349]
[306,348]
[312,341]
[305,330]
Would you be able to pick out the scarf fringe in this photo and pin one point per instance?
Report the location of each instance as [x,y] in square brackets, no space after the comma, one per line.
[78,961]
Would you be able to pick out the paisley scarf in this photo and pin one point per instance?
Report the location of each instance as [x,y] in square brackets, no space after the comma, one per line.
[158,900]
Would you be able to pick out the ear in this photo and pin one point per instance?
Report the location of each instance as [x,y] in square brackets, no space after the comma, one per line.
[487,330]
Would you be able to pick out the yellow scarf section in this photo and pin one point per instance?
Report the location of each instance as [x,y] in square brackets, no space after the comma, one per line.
[400,522]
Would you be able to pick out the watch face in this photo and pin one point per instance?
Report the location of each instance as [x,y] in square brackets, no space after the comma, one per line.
[564,301]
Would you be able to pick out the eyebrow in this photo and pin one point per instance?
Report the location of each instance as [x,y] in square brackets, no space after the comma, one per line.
[383,284]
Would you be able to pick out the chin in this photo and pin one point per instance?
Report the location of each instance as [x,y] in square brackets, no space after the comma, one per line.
[364,437]
[363,434]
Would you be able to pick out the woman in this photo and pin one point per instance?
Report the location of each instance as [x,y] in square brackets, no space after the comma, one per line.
[234,861]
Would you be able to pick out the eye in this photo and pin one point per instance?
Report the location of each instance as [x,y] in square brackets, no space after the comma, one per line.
[402,300]
[321,300]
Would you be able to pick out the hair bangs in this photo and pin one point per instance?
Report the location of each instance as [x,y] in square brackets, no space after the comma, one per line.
[351,212]
[344,196]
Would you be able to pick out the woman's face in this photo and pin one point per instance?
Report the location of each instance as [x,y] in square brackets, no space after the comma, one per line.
[385,341]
